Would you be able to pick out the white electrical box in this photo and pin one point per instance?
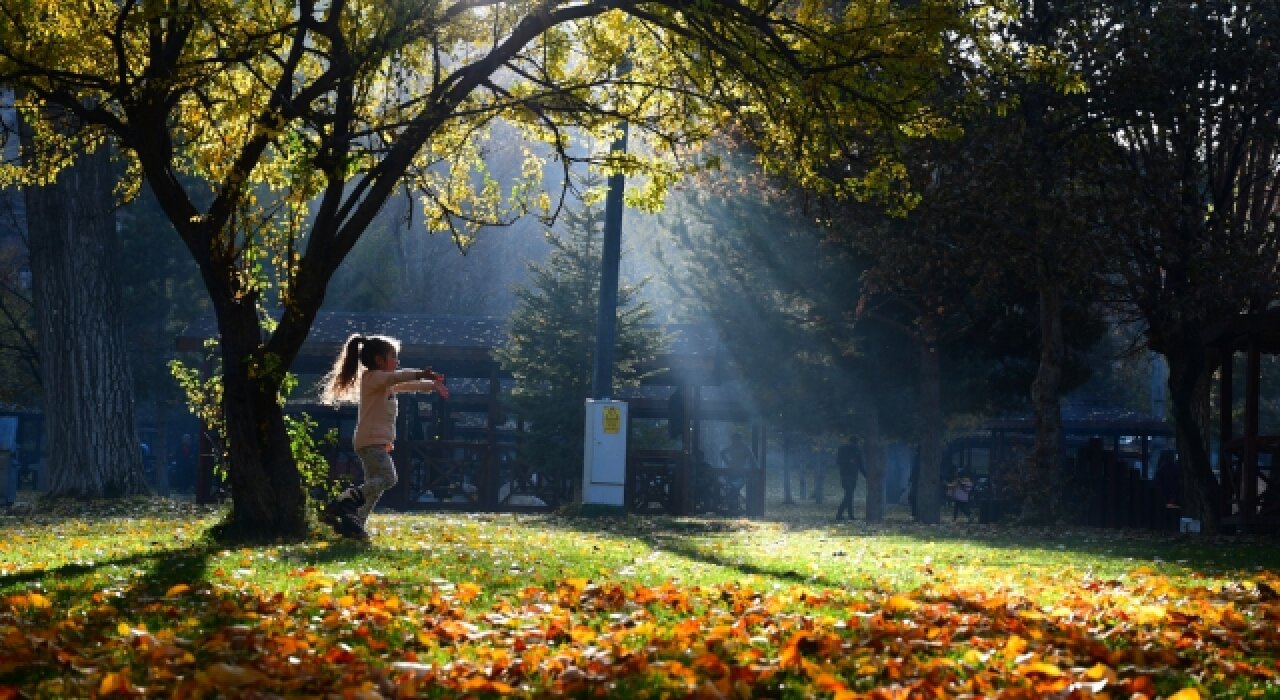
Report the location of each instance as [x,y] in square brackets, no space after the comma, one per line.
[604,471]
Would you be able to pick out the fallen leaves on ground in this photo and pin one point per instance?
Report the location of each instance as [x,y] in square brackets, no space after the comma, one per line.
[371,633]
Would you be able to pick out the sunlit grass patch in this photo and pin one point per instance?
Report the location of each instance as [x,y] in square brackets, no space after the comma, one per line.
[141,602]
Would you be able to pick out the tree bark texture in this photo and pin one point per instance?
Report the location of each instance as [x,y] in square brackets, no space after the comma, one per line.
[1190,378]
[928,486]
[267,497]
[1041,489]
[87,383]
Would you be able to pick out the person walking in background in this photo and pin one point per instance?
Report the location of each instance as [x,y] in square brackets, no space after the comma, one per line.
[738,454]
[849,460]
[367,372]
[737,458]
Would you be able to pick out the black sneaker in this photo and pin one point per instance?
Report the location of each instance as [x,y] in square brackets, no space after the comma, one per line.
[347,504]
[351,529]
[334,511]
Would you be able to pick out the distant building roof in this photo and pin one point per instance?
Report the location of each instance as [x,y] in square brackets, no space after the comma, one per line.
[10,409]
[461,342]
[334,327]
[1090,421]
[1237,332]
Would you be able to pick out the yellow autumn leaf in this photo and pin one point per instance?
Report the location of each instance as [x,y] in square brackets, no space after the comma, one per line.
[1186,694]
[176,590]
[1042,668]
[114,682]
[900,604]
[582,635]
[468,591]
[1151,614]
[1014,647]
[1098,672]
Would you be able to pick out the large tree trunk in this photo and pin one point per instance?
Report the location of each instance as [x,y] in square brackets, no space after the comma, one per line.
[928,484]
[1189,382]
[87,383]
[1042,488]
[267,498]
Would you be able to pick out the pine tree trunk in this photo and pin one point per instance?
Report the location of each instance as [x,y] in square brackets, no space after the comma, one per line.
[87,384]
[928,486]
[1045,472]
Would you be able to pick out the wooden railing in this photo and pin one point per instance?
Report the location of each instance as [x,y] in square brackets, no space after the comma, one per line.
[1117,495]
[663,481]
[656,482]
[463,475]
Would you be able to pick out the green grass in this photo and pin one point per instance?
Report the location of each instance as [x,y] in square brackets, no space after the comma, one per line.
[133,598]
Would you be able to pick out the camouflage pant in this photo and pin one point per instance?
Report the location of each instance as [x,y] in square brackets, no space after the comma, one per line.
[379,477]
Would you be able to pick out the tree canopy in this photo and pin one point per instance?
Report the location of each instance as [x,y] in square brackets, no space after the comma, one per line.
[296,121]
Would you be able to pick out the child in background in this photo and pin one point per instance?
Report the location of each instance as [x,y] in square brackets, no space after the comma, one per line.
[367,371]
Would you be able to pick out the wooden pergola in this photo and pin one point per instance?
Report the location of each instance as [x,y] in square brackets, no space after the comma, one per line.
[1246,460]
[461,453]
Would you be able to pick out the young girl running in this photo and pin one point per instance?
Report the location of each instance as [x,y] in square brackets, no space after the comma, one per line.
[370,364]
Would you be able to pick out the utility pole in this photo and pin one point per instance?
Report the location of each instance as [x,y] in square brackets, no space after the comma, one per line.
[604,451]
[607,318]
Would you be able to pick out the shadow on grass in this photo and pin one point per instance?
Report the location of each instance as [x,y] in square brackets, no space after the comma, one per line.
[163,568]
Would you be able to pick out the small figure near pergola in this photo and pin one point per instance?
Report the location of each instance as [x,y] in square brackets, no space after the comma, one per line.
[1247,462]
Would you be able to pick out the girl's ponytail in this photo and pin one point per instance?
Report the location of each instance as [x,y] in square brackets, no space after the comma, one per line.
[335,387]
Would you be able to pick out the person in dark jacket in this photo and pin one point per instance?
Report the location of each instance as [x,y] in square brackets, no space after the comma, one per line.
[849,460]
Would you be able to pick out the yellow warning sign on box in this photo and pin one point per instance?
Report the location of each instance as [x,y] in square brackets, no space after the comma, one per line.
[612,420]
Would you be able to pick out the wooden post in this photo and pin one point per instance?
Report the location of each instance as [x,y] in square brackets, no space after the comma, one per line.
[1249,457]
[488,476]
[689,396]
[693,413]
[756,484]
[1224,432]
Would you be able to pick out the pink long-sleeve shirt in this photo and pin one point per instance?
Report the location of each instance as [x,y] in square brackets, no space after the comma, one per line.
[376,416]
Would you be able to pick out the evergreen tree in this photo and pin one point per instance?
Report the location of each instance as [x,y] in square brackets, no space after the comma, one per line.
[551,348]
